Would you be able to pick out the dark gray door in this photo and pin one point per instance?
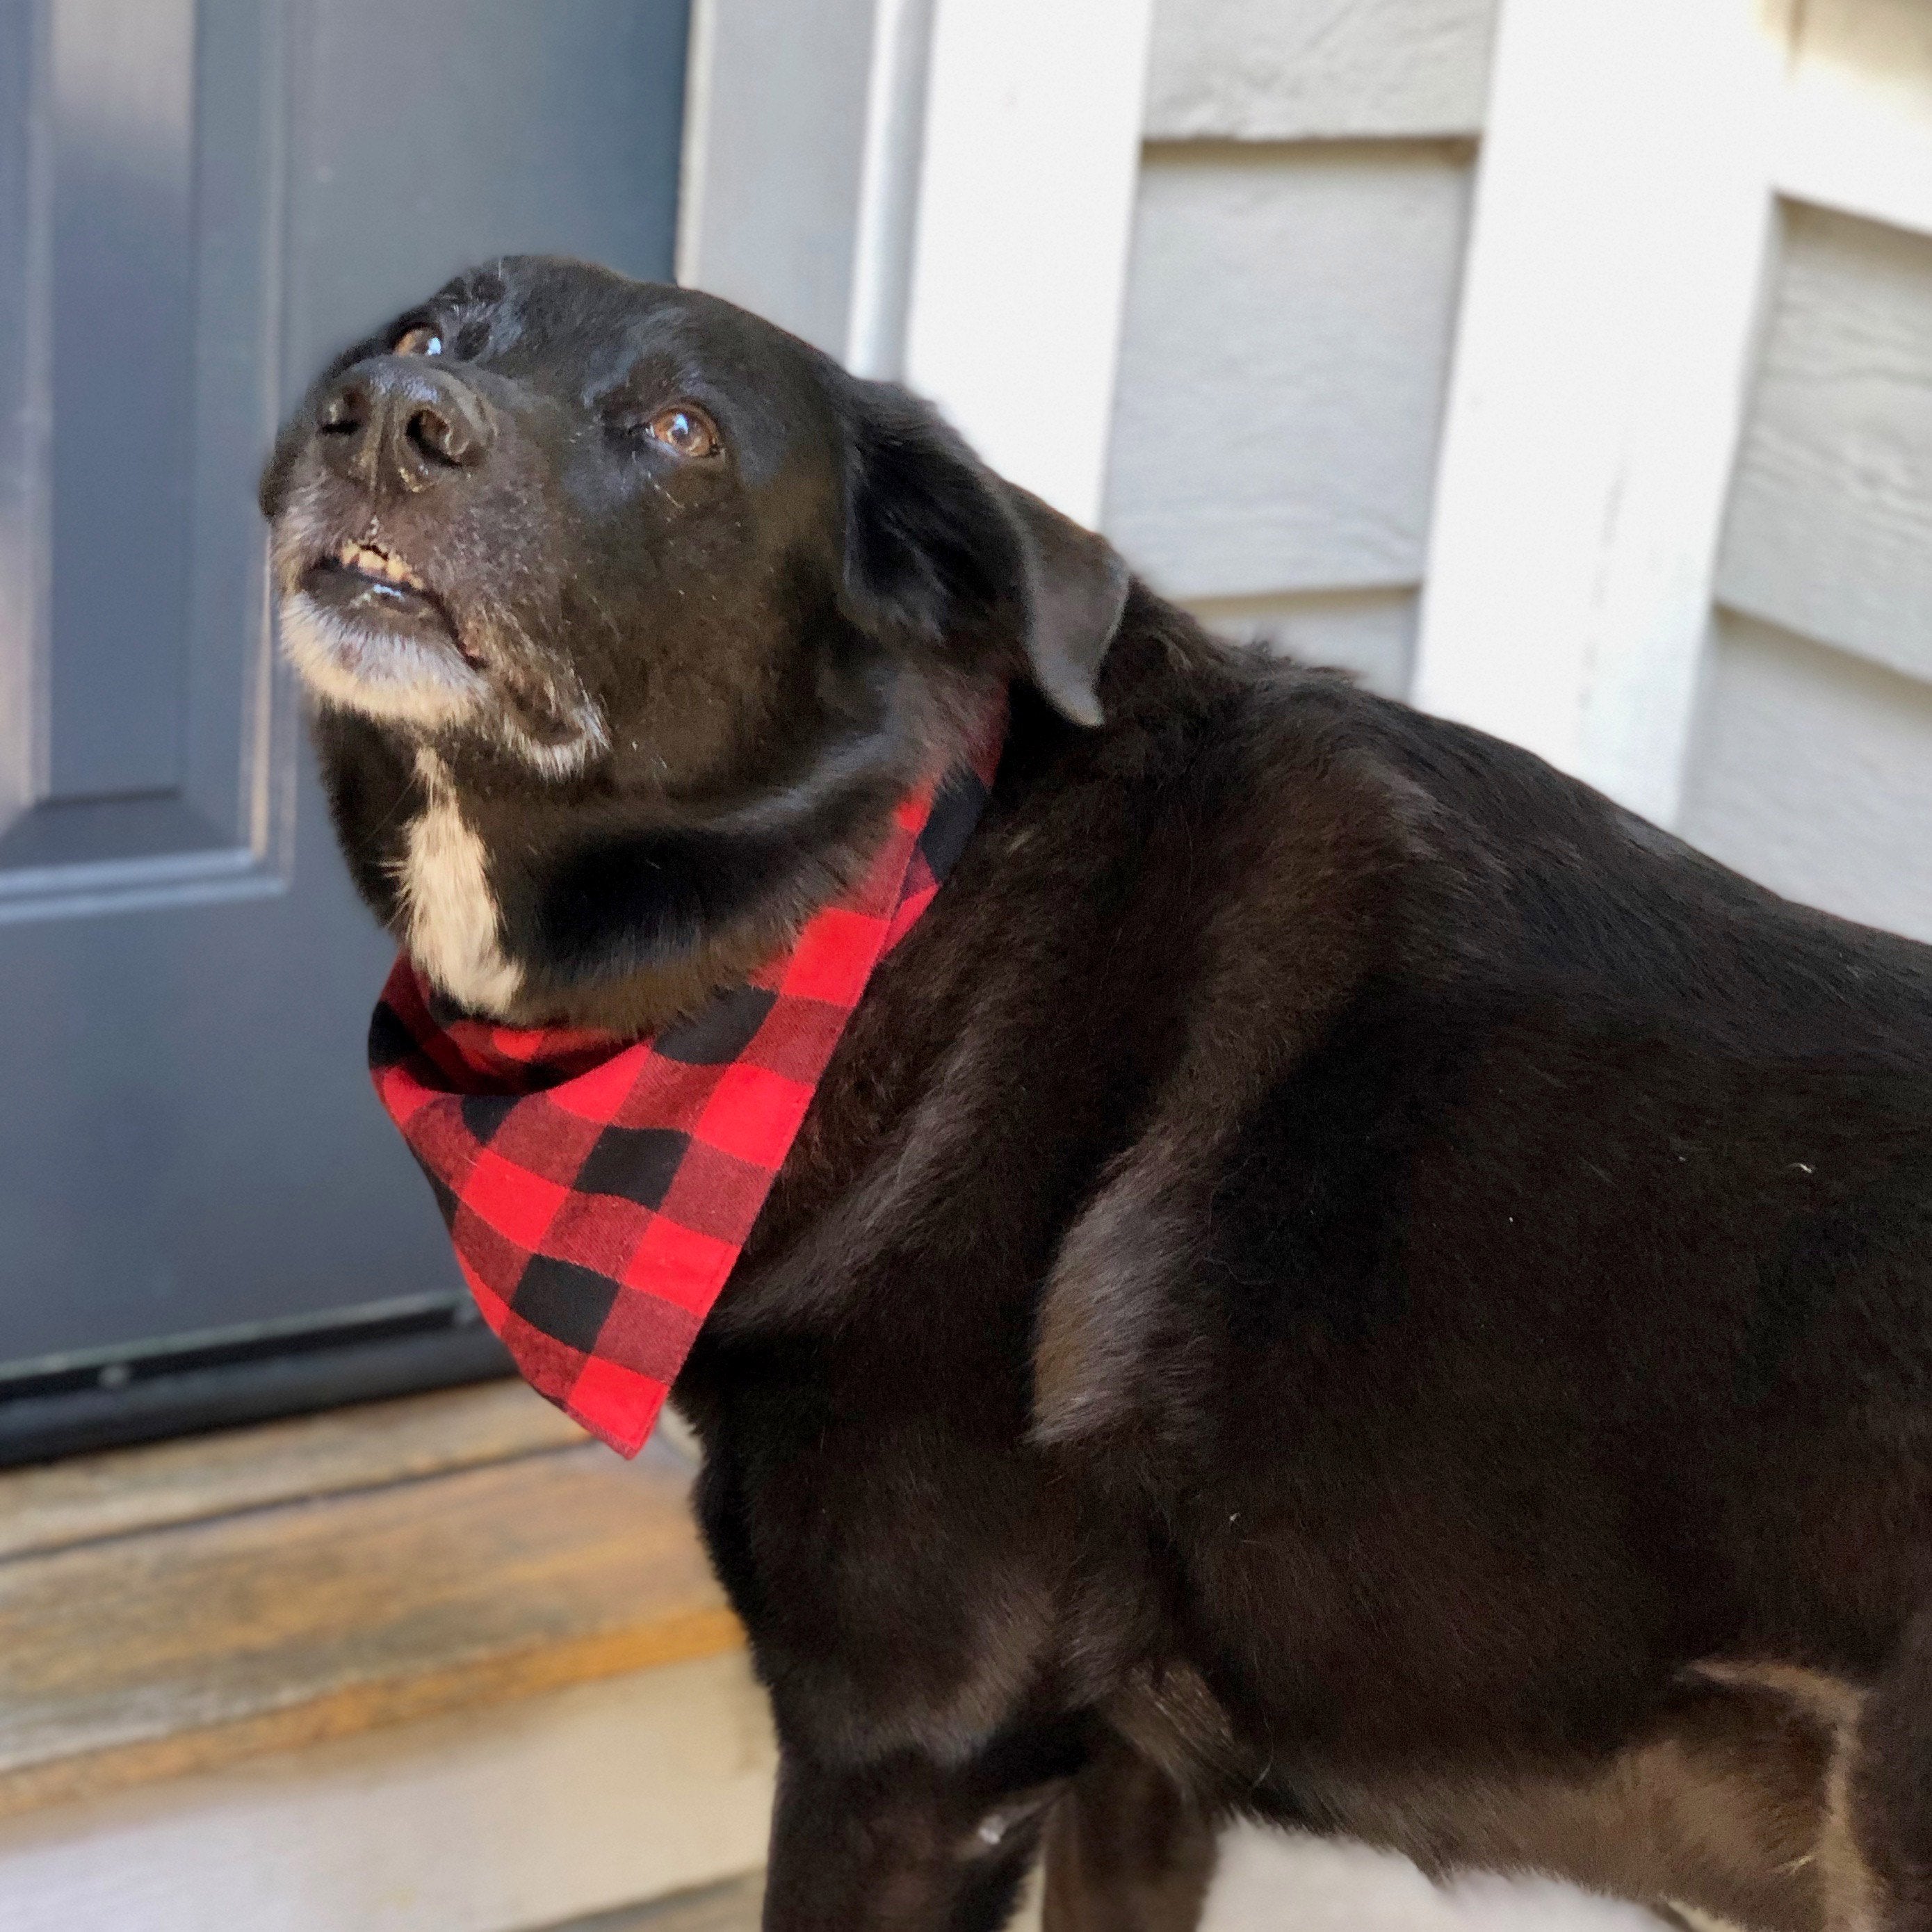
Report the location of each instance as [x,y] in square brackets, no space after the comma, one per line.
[200,199]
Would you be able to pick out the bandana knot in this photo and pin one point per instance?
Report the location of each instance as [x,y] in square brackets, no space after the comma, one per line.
[599,1190]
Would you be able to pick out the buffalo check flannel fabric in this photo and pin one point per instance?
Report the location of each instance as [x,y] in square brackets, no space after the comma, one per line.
[598,1191]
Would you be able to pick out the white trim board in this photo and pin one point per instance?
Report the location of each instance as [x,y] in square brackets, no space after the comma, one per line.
[937,191]
[1610,315]
[775,152]
[889,187]
[1025,203]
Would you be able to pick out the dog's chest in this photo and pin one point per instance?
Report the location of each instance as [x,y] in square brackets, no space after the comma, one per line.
[451,921]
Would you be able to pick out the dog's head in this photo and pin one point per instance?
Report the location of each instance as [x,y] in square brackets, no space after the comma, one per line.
[659,605]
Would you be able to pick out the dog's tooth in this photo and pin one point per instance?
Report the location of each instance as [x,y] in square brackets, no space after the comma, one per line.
[373,563]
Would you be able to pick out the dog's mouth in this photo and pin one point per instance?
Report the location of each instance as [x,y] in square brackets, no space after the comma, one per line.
[368,631]
[380,591]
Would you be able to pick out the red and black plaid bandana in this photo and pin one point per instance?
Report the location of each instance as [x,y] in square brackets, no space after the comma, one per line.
[599,1190]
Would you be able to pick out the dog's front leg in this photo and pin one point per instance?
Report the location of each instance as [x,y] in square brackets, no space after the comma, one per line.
[905,1845]
[1126,1851]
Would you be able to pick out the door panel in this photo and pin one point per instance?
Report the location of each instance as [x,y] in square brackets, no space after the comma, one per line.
[199,203]
[121,347]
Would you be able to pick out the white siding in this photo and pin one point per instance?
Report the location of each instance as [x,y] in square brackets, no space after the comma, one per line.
[1285,351]
[1812,772]
[1318,70]
[1371,633]
[1831,522]
[1298,252]
[1812,765]
[1297,248]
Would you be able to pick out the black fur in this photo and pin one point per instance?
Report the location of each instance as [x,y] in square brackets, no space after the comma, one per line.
[1335,1275]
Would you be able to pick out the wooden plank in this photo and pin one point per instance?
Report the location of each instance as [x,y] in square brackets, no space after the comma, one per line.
[1830,531]
[1031,149]
[1812,772]
[87,1498]
[1857,123]
[177,1649]
[512,1815]
[1284,359]
[1609,318]
[1318,70]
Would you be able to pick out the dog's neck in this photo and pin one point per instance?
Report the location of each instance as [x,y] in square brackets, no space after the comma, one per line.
[534,907]
[447,911]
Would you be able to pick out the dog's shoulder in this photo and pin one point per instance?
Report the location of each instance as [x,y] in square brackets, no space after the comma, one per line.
[1439,991]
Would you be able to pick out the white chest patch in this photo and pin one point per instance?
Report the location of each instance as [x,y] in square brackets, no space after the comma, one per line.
[454,925]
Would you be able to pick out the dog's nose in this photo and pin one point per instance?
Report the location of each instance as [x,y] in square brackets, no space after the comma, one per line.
[397,424]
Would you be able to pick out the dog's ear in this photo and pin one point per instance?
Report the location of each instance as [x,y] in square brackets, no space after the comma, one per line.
[937,544]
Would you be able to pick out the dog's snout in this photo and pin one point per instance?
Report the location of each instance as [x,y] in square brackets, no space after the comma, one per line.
[395,425]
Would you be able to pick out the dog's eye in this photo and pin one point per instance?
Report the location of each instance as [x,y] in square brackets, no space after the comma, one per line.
[688,431]
[423,340]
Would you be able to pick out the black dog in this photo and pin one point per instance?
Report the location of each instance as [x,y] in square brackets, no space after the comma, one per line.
[1336,1275]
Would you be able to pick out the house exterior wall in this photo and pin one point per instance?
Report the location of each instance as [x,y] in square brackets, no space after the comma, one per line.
[1811,764]
[1289,333]
[1290,311]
